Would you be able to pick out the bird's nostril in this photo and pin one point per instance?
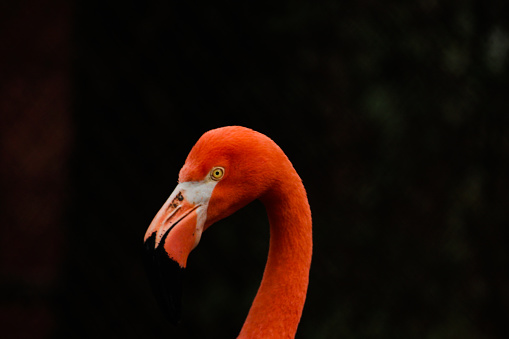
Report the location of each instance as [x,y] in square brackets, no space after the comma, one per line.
[175,202]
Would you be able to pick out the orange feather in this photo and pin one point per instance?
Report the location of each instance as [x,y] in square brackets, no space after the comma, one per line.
[254,168]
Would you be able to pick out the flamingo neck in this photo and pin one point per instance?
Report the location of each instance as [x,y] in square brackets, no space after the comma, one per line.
[277,307]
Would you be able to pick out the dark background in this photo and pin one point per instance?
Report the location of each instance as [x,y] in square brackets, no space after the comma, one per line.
[395,114]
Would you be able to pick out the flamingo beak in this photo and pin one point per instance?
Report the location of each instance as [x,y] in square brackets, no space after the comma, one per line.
[172,235]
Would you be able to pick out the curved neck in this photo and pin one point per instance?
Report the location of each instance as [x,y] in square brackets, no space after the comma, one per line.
[277,307]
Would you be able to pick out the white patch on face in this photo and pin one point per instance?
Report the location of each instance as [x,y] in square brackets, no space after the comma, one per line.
[197,193]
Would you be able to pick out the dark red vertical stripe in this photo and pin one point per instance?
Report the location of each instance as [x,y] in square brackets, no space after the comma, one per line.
[35,139]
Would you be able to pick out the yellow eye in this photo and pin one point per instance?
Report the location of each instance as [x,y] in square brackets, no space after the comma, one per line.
[217,173]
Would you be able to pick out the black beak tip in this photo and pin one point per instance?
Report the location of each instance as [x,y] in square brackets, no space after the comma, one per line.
[165,276]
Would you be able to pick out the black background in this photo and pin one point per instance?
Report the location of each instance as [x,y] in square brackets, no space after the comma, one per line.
[394,113]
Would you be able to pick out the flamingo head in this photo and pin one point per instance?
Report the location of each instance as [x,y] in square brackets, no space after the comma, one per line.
[227,168]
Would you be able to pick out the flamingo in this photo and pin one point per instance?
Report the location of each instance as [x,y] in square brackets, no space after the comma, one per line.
[226,169]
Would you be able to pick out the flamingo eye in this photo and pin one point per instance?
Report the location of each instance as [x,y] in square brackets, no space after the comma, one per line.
[217,173]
